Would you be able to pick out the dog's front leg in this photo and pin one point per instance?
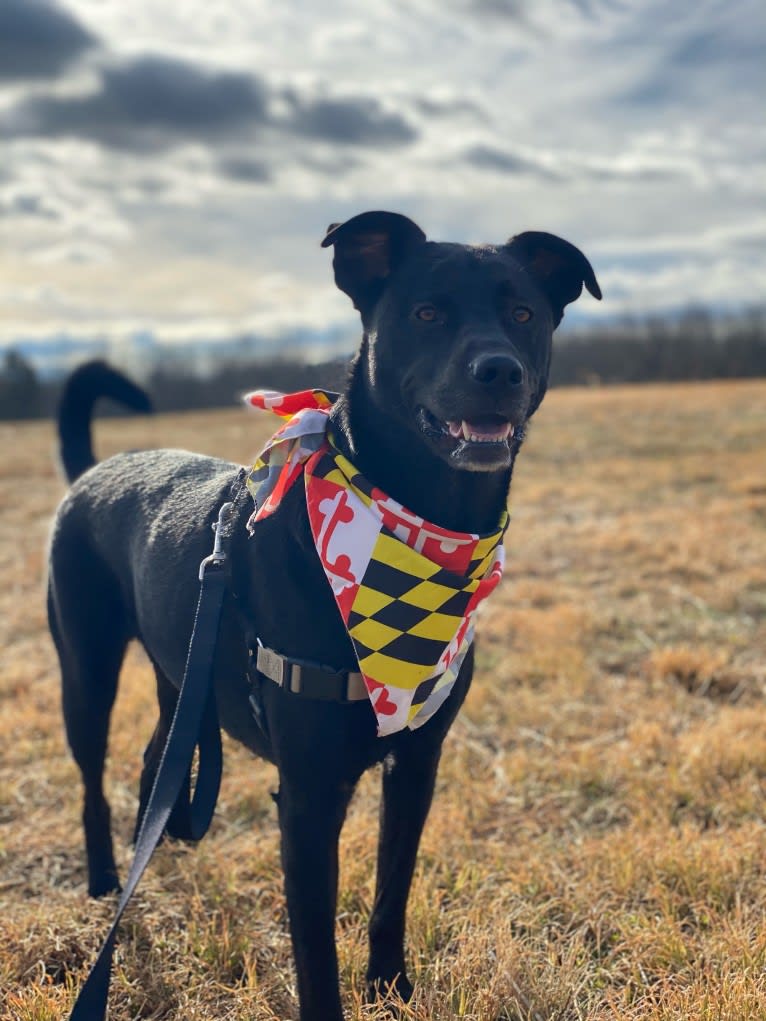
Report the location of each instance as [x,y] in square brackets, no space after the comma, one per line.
[408,786]
[310,820]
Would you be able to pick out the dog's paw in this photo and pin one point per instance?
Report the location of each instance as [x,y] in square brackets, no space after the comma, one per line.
[391,993]
[100,886]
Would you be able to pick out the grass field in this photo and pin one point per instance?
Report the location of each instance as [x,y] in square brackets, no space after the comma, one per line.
[597,845]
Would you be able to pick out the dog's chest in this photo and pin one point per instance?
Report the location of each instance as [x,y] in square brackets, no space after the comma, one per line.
[284,591]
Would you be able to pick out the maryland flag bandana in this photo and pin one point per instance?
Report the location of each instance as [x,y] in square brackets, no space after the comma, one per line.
[407,590]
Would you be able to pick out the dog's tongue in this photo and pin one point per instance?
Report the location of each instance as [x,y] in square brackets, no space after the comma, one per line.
[483,432]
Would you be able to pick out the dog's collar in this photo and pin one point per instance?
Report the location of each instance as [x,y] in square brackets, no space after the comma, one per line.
[407,590]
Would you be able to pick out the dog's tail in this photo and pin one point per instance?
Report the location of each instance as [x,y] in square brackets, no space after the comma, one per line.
[84,387]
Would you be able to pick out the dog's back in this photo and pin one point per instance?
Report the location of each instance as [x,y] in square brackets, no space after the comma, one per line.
[126,516]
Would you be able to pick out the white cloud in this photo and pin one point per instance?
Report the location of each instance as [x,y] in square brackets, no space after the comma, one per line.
[632,129]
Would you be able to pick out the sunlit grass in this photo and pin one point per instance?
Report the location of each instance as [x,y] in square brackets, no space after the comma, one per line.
[596,848]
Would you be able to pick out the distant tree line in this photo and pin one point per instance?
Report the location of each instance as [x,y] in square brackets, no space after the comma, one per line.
[693,346]
[23,395]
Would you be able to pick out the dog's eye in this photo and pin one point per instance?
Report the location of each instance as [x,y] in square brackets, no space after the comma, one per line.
[522,314]
[426,313]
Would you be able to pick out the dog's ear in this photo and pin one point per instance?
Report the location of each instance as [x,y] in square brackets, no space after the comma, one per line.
[560,268]
[368,248]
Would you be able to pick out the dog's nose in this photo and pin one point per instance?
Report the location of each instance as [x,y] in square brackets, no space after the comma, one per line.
[499,369]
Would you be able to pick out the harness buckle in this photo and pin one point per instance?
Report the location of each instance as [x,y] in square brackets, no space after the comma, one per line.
[273,665]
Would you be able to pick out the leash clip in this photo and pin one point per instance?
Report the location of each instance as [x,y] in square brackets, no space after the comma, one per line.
[218,557]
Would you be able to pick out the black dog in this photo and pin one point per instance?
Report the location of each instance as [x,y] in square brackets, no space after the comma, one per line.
[453,362]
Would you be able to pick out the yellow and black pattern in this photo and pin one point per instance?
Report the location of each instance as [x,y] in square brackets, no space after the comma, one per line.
[401,622]
[409,616]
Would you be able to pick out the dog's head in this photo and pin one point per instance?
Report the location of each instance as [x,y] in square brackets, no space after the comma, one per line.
[457,337]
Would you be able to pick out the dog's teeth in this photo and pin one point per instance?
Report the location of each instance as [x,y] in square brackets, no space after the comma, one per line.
[488,434]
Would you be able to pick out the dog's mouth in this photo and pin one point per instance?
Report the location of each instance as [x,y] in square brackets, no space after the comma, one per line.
[481,442]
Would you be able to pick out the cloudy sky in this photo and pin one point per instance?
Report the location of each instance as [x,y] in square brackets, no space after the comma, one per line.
[172,164]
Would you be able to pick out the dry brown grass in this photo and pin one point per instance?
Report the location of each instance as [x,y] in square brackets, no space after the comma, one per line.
[597,846]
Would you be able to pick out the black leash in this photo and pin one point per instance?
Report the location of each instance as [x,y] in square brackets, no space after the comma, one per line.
[195,724]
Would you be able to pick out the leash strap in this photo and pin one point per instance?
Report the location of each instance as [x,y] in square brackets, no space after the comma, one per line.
[195,724]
